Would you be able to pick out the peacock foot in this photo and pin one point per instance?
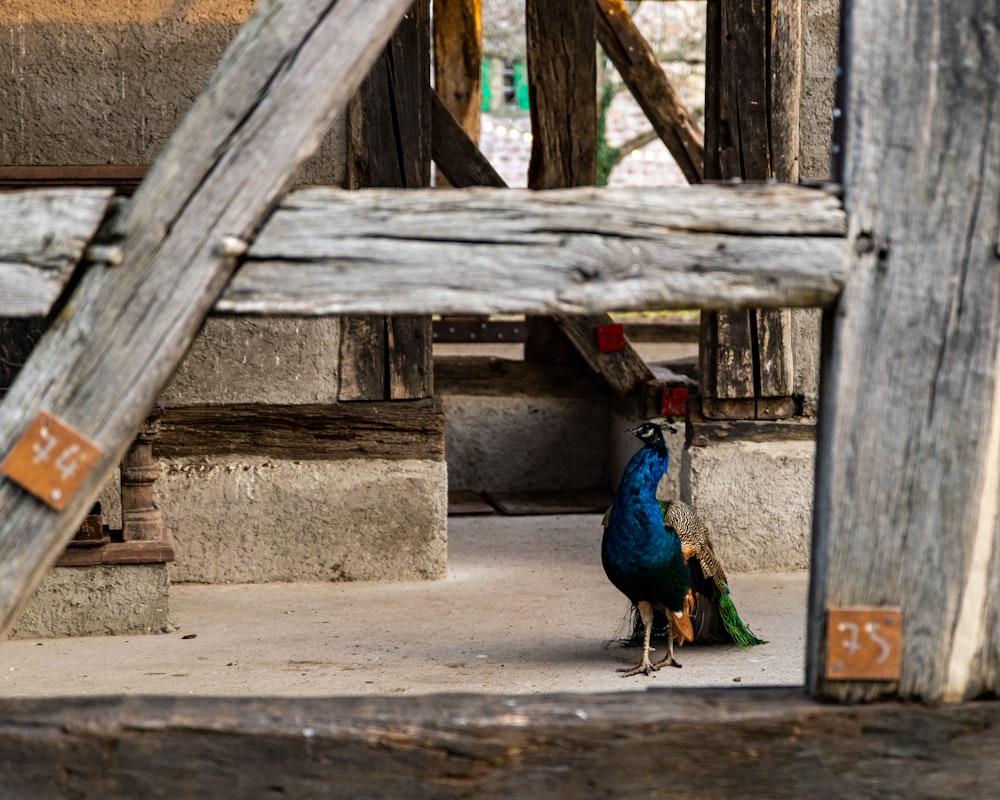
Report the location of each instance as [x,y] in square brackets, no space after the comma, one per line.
[644,666]
[669,661]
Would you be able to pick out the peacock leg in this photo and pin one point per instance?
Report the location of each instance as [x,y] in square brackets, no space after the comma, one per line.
[646,613]
[668,660]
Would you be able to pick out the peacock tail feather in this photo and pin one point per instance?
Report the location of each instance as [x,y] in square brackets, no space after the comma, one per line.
[735,626]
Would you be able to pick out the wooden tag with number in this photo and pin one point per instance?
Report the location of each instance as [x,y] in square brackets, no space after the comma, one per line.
[50,460]
[864,643]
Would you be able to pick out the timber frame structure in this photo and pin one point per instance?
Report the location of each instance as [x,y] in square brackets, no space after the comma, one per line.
[904,263]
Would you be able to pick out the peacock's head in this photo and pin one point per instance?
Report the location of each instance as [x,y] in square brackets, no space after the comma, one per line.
[651,434]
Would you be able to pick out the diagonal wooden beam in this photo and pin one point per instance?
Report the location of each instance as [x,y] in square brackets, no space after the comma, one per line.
[455,153]
[117,342]
[640,69]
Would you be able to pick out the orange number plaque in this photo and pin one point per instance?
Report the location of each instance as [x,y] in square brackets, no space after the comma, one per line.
[50,460]
[864,643]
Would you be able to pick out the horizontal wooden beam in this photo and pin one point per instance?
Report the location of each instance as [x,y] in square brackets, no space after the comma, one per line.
[400,429]
[44,234]
[123,177]
[556,252]
[764,743]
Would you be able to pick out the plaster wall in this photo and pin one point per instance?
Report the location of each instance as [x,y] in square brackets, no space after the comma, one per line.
[89,82]
[518,443]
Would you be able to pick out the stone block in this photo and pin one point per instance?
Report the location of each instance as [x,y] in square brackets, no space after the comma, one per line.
[122,599]
[258,520]
[756,498]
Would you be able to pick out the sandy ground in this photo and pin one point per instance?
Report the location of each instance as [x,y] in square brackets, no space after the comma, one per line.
[525,608]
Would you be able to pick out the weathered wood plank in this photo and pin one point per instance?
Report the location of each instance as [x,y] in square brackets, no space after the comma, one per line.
[333,431]
[410,342]
[362,359]
[458,60]
[907,503]
[117,342]
[482,251]
[44,234]
[624,370]
[753,82]
[390,146]
[502,377]
[765,743]
[562,90]
[641,71]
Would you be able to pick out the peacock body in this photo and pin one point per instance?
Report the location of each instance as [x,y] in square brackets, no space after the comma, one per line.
[713,616]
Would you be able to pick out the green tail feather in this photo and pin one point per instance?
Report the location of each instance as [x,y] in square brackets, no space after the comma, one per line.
[741,634]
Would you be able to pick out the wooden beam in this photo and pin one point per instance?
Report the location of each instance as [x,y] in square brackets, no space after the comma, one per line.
[565,252]
[44,234]
[908,458]
[753,83]
[642,73]
[624,369]
[123,177]
[455,152]
[458,60]
[390,146]
[119,339]
[334,431]
[562,91]
[765,743]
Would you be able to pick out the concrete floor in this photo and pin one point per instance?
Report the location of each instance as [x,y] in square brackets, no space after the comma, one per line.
[525,608]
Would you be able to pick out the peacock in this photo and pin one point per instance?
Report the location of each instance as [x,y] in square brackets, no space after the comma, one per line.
[642,536]
[642,557]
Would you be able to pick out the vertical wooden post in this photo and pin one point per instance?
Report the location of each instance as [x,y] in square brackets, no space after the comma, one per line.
[908,462]
[458,60]
[753,82]
[389,145]
[18,335]
[562,91]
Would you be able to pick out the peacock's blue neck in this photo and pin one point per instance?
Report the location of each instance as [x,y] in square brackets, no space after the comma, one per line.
[642,476]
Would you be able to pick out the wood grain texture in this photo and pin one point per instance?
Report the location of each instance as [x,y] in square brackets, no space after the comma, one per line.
[362,359]
[333,431]
[642,73]
[765,743]
[754,77]
[562,91]
[503,377]
[458,60]
[44,234]
[390,146]
[483,251]
[909,446]
[624,370]
[455,152]
[117,342]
